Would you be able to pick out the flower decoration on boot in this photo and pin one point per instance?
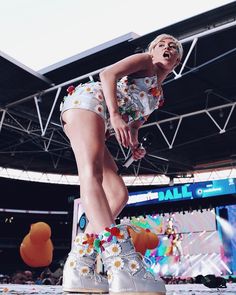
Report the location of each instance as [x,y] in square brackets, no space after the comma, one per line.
[98,245]
[88,243]
[110,235]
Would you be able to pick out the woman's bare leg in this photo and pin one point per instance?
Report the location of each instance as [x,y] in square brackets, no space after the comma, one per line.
[85,130]
[114,187]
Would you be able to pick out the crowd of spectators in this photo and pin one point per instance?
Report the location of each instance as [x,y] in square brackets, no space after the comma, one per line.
[46,277]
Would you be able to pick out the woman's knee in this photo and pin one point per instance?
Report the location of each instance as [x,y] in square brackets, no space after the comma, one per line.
[120,197]
[91,173]
[123,196]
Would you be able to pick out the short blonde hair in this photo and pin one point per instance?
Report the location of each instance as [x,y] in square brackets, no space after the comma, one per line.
[166,36]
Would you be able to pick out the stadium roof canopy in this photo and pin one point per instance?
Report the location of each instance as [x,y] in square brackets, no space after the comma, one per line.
[193,131]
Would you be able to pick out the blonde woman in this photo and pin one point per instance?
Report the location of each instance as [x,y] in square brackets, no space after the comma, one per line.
[128,92]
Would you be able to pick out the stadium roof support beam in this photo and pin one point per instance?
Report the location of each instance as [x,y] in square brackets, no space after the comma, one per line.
[209,31]
[2,118]
[43,130]
[194,37]
[181,117]
[11,119]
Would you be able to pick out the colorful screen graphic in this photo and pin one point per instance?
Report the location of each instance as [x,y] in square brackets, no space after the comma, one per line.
[182,192]
[188,244]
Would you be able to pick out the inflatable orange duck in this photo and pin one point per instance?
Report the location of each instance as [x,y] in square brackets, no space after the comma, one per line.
[36,249]
[143,239]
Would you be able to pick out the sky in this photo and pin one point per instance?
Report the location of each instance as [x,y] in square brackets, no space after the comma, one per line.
[39,33]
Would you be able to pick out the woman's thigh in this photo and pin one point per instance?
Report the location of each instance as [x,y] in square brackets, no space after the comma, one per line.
[85,130]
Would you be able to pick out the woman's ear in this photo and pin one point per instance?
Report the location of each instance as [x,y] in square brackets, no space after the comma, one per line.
[177,62]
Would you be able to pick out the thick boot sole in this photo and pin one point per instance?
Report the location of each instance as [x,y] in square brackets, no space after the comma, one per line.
[137,293]
[82,290]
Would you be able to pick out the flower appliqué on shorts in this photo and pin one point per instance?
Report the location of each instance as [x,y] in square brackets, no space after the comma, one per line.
[99,108]
[99,96]
[70,90]
[88,89]
[76,102]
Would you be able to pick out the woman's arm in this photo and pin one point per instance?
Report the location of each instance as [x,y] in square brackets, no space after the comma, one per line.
[136,63]
[133,64]
[137,151]
[138,123]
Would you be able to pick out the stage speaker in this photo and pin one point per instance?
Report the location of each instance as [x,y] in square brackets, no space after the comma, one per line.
[223,213]
[211,281]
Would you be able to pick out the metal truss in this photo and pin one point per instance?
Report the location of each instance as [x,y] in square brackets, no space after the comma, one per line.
[49,135]
[180,118]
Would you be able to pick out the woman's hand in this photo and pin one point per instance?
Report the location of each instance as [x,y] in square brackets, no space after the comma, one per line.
[122,130]
[138,151]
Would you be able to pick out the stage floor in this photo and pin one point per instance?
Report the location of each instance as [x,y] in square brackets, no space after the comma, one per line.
[11,289]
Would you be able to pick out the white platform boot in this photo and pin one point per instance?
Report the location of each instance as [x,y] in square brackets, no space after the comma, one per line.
[126,270]
[79,273]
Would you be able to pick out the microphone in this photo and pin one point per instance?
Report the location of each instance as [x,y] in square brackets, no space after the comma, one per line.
[144,142]
[130,159]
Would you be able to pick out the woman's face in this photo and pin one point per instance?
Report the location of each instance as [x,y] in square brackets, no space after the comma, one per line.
[166,53]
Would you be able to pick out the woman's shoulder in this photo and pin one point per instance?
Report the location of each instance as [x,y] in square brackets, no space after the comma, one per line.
[144,55]
[144,66]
